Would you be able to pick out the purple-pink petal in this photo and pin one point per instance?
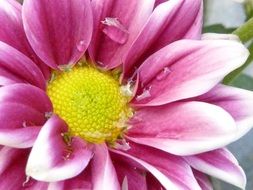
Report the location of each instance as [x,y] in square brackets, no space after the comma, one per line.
[167,24]
[16,115]
[185,69]
[59,31]
[82,182]
[221,164]
[19,138]
[116,25]
[52,159]
[103,171]
[12,166]
[129,175]
[12,171]
[203,180]
[180,128]
[22,114]
[237,102]
[26,95]
[12,32]
[174,167]
[15,67]
[162,178]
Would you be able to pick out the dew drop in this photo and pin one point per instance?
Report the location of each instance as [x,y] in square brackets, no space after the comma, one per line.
[81,45]
[115,30]
[163,74]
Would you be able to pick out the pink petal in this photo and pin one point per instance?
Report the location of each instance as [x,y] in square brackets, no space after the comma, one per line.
[237,102]
[16,115]
[12,168]
[130,177]
[103,171]
[203,180]
[158,2]
[19,138]
[36,185]
[12,31]
[7,157]
[183,128]
[220,164]
[52,159]
[186,69]
[12,171]
[163,179]
[22,114]
[117,24]
[59,31]
[26,95]
[153,183]
[15,67]
[82,182]
[173,167]
[167,24]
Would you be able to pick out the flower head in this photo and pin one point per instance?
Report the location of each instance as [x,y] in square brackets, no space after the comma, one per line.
[116,94]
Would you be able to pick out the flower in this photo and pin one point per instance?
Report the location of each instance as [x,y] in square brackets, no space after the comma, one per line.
[109,94]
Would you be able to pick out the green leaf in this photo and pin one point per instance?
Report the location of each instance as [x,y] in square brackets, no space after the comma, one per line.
[243,81]
[233,75]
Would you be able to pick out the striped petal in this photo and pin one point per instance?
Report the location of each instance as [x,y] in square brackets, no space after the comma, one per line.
[116,25]
[186,69]
[103,171]
[13,34]
[59,31]
[220,164]
[183,128]
[237,102]
[173,167]
[167,24]
[203,180]
[15,67]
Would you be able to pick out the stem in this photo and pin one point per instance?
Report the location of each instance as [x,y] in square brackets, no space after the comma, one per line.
[245,32]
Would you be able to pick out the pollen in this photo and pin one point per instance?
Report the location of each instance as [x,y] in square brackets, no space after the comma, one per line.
[91,103]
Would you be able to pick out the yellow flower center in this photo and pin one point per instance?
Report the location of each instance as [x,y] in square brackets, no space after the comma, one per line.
[91,103]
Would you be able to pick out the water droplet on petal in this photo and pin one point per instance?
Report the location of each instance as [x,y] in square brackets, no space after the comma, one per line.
[163,74]
[81,46]
[115,30]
